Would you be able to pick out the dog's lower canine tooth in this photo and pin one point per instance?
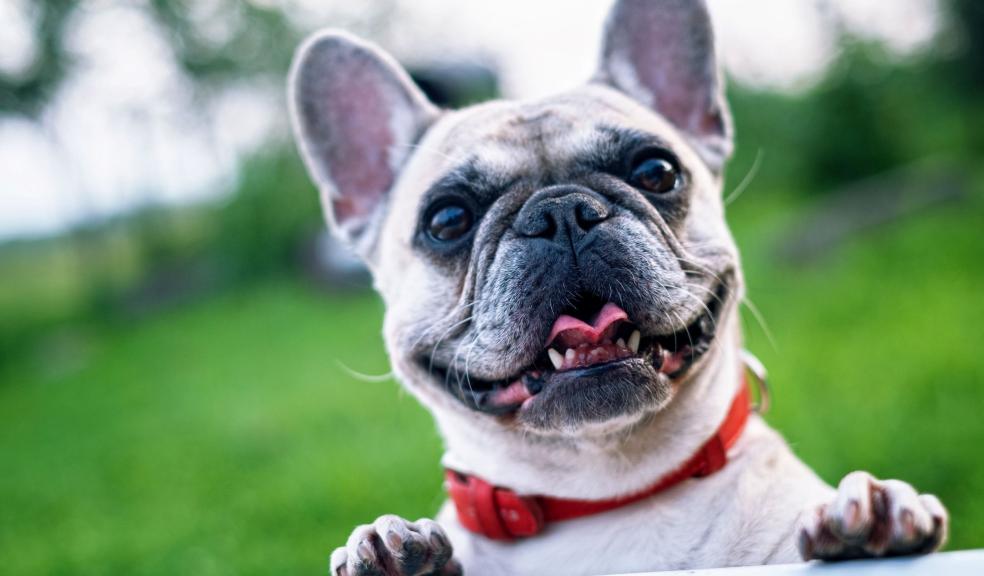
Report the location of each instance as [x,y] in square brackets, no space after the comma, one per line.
[555,358]
[634,341]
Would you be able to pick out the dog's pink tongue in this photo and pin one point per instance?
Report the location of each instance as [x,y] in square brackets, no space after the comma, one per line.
[514,394]
[570,332]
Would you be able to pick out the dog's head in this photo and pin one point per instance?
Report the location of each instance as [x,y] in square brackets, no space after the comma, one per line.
[551,265]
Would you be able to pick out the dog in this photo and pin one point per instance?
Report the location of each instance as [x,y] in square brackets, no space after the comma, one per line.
[561,293]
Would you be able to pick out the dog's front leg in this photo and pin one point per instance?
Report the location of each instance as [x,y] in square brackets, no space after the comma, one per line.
[392,546]
[871,518]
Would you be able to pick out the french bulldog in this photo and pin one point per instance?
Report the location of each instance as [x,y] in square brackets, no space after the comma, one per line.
[561,292]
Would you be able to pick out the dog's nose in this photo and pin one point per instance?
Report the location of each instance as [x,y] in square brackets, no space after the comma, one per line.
[561,212]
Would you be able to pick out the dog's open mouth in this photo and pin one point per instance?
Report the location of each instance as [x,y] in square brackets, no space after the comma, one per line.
[586,341]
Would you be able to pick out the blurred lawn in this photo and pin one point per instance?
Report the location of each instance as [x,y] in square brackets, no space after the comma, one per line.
[221,439]
[225,438]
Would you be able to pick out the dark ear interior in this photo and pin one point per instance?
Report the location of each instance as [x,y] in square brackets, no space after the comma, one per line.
[661,53]
[356,115]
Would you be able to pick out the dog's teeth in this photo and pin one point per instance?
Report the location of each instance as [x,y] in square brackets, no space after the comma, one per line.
[620,343]
[555,358]
[634,341]
[569,356]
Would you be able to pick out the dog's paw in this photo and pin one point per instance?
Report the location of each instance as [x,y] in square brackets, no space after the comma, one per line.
[392,546]
[871,518]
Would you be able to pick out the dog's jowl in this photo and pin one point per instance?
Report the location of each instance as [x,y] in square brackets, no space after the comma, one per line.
[561,293]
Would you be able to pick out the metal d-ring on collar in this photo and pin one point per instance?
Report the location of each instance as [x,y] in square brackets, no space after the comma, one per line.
[758,373]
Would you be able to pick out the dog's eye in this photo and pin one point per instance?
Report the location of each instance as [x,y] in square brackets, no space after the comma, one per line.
[655,173]
[449,222]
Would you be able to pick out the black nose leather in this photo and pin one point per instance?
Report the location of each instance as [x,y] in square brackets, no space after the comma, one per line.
[562,213]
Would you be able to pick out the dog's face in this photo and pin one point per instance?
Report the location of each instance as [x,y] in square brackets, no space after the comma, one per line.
[554,266]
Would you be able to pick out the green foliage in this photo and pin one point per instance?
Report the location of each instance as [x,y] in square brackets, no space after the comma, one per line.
[867,116]
[255,40]
[965,37]
[95,273]
[28,92]
[260,230]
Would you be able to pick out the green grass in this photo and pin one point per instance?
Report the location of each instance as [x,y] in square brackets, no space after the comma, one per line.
[225,438]
[222,439]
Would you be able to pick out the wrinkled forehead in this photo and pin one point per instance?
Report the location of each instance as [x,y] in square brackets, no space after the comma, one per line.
[548,134]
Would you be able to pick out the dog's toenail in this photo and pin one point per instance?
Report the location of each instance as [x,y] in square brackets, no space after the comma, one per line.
[852,516]
[437,541]
[365,551]
[805,544]
[393,539]
[908,522]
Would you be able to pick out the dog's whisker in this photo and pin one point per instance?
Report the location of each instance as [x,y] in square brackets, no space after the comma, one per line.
[432,150]
[621,293]
[713,295]
[700,268]
[456,310]
[455,364]
[441,339]
[470,347]
[681,323]
[362,375]
[761,321]
[703,305]
[431,329]
[747,180]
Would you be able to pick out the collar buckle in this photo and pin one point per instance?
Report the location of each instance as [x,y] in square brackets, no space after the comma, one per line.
[760,376]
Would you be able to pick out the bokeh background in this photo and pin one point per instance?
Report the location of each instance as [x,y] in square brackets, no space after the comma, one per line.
[191,374]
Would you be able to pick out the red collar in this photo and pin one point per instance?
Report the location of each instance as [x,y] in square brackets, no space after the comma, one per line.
[501,514]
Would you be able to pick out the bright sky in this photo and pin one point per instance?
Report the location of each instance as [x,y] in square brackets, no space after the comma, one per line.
[119,133]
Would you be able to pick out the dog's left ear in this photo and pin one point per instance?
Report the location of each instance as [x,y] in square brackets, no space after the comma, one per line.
[356,115]
[661,53]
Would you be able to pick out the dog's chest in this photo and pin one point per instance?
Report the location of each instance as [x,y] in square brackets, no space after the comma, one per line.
[745,514]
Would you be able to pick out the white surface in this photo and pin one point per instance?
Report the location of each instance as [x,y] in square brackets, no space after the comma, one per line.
[963,563]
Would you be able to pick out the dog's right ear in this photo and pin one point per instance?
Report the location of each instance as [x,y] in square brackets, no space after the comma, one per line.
[661,53]
[356,115]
